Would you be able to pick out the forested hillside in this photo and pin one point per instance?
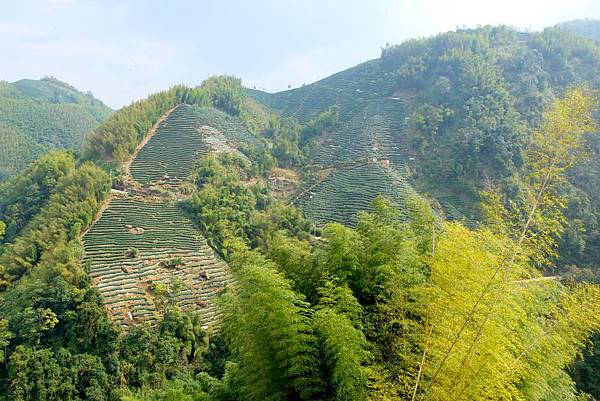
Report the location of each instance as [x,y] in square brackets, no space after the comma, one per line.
[40,115]
[455,112]
[387,233]
[590,28]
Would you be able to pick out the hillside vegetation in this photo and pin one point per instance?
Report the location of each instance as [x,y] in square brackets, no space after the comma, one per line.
[382,234]
[589,28]
[36,116]
[456,110]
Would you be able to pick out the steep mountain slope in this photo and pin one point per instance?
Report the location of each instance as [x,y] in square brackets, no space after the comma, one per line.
[455,110]
[38,115]
[139,247]
[143,244]
[178,144]
[344,192]
[363,154]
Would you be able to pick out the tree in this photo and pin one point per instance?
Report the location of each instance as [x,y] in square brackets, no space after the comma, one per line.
[24,196]
[5,337]
[51,239]
[267,328]
[43,375]
[519,349]
[344,346]
[487,268]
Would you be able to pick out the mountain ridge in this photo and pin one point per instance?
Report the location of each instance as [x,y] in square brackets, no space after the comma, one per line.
[41,115]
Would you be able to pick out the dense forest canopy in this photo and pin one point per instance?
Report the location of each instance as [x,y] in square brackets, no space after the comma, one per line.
[472,279]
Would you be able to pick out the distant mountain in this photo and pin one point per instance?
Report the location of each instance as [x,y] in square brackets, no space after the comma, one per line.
[39,115]
[588,27]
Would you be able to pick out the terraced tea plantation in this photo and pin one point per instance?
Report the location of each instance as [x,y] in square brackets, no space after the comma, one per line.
[365,155]
[170,154]
[345,192]
[348,90]
[138,248]
[235,133]
[186,134]
[366,158]
[375,132]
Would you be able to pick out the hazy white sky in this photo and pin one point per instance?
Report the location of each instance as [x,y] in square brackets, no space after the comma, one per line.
[123,50]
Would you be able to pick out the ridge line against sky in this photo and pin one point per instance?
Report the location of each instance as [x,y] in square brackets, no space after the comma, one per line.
[124,50]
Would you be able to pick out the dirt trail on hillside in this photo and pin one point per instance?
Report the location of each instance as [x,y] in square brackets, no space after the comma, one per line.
[101,208]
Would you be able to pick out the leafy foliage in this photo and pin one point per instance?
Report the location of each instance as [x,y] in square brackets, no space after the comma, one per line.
[268,328]
[227,208]
[50,239]
[293,142]
[16,151]
[336,323]
[224,93]
[524,331]
[24,196]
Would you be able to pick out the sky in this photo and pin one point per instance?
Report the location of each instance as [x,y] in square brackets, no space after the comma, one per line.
[123,50]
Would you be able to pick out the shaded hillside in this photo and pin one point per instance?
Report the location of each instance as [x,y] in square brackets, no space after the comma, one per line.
[39,115]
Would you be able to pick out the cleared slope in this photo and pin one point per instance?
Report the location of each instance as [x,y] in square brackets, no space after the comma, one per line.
[172,150]
[345,192]
[364,156]
[374,132]
[349,90]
